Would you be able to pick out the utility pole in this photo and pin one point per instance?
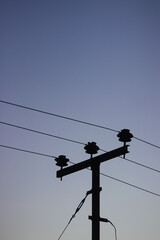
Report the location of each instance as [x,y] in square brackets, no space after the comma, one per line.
[95,201]
[94,163]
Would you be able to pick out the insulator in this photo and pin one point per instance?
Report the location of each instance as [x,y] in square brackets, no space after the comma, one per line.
[91,148]
[124,135]
[61,161]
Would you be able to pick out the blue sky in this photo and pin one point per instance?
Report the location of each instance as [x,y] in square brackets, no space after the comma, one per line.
[97,61]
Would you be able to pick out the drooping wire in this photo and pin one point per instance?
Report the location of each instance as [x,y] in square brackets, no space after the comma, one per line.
[105,175]
[73,216]
[115,230]
[73,141]
[108,221]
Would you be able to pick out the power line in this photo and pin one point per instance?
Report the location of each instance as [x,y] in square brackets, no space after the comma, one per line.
[137,163]
[141,165]
[141,140]
[51,156]
[75,120]
[59,116]
[27,151]
[129,184]
[42,133]
[73,141]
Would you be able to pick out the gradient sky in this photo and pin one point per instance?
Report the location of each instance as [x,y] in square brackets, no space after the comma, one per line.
[97,61]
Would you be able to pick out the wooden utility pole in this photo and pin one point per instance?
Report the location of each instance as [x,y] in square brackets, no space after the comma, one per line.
[94,163]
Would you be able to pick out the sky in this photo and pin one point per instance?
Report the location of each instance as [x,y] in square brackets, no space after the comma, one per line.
[95,61]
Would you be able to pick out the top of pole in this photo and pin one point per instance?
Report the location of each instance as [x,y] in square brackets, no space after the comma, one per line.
[88,163]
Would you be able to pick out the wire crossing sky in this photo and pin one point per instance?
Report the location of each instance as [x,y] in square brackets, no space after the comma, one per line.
[60,116]
[75,120]
[72,141]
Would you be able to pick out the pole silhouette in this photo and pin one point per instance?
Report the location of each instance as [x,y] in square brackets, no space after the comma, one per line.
[94,162]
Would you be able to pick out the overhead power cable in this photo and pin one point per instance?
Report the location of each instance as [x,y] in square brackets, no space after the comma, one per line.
[131,185]
[141,140]
[73,141]
[75,120]
[42,133]
[51,156]
[141,165]
[27,151]
[59,116]
[137,163]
